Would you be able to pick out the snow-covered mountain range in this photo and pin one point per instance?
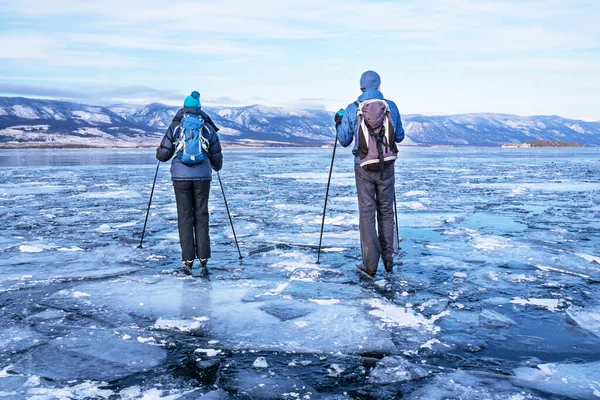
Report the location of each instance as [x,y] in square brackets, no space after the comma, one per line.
[37,122]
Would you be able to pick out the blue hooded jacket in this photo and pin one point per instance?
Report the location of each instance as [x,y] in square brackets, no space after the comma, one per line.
[181,171]
[348,129]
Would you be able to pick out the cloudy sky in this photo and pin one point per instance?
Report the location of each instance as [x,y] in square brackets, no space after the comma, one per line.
[526,57]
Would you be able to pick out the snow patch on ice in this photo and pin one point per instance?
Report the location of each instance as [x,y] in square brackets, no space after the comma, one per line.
[340,220]
[522,278]
[589,258]
[491,242]
[401,316]
[334,370]
[132,392]
[550,304]
[294,265]
[146,340]
[117,194]
[30,249]
[295,260]
[429,344]
[341,179]
[414,193]
[4,372]
[260,363]
[565,186]
[208,352]
[306,275]
[560,270]
[413,205]
[86,389]
[72,248]
[434,247]
[124,225]
[74,293]
[325,302]
[104,228]
[156,394]
[518,191]
[180,325]
[344,198]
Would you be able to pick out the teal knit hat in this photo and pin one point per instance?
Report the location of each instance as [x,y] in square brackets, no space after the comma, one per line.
[193,100]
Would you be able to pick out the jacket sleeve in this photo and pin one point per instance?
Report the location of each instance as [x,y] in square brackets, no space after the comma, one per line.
[214,152]
[398,129]
[166,149]
[346,129]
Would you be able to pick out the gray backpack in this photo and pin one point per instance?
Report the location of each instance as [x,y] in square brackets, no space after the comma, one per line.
[376,137]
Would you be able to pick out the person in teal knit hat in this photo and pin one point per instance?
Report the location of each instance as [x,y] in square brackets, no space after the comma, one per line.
[191,184]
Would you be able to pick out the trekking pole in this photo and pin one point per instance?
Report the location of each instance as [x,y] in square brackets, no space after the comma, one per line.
[149,202]
[326,195]
[396,213]
[230,220]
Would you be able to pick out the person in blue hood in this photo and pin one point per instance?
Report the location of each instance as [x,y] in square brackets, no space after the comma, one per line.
[374,184]
[192,184]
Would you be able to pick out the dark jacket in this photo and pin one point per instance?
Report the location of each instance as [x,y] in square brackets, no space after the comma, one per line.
[181,171]
[201,113]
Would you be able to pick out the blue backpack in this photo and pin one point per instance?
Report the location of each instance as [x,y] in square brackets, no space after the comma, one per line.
[192,146]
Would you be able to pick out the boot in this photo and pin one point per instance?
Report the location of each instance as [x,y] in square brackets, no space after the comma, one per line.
[365,272]
[389,266]
[187,266]
[203,262]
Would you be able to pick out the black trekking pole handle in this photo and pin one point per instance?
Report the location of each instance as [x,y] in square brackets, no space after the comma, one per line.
[229,215]
[149,202]
[326,196]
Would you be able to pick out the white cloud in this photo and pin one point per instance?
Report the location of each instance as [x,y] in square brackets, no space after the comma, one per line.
[26,47]
[439,55]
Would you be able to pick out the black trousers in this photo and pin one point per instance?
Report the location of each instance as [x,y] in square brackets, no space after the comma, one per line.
[192,218]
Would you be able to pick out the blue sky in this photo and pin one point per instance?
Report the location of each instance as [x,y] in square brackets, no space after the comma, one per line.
[524,57]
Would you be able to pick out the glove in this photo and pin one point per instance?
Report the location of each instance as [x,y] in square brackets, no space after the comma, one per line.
[338,118]
[164,154]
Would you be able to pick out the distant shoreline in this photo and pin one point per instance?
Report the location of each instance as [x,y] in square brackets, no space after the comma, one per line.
[49,146]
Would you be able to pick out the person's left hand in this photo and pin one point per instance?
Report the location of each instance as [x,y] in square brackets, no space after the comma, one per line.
[338,117]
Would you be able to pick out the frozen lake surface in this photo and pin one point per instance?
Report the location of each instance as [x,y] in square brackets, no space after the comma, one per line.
[496,294]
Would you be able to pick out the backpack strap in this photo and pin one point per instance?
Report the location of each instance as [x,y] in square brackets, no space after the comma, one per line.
[379,140]
[360,120]
[204,141]
[179,142]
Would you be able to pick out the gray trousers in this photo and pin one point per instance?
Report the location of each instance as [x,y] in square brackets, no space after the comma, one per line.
[192,218]
[376,204]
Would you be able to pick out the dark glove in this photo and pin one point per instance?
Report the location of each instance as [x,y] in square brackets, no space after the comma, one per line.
[163,154]
[338,118]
